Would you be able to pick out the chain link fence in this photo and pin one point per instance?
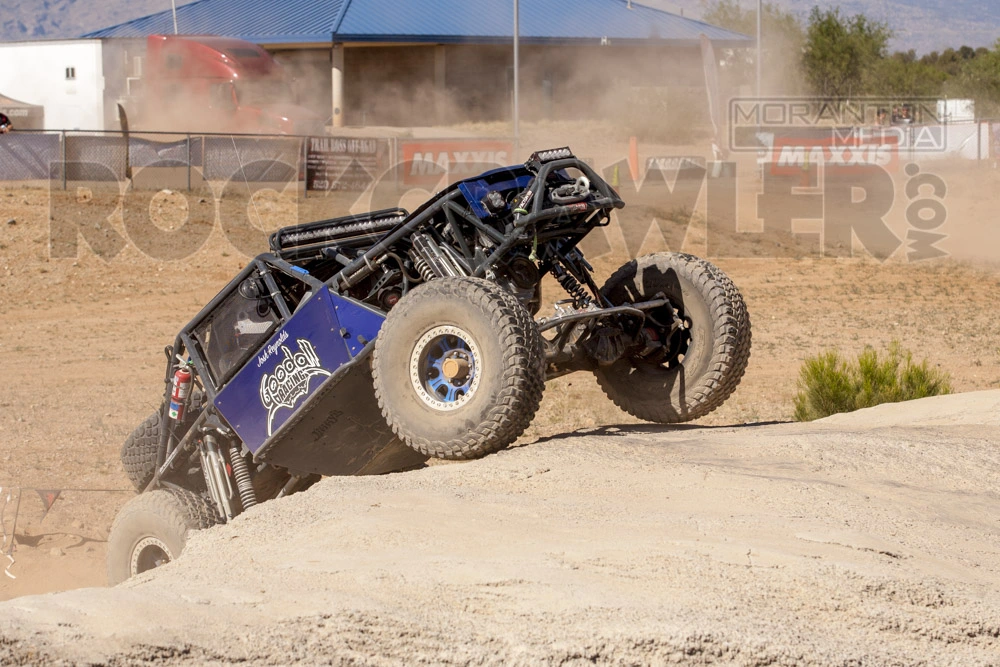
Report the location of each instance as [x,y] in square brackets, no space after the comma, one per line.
[109,156]
[30,156]
[76,156]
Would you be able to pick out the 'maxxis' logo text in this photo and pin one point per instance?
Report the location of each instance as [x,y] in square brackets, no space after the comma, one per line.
[290,380]
[853,149]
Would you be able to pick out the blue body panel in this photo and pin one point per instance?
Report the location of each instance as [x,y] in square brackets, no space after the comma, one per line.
[361,323]
[475,189]
[325,333]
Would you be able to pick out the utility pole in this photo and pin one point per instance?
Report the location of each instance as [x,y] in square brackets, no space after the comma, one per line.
[760,52]
[173,8]
[517,92]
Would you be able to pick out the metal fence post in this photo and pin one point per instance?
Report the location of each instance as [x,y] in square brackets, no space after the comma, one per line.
[189,161]
[396,161]
[63,133]
[304,170]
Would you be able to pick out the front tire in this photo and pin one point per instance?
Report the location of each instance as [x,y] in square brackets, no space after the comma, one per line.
[152,529]
[458,368]
[704,361]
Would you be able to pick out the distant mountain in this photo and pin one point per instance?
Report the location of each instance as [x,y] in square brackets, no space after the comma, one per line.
[66,19]
[921,25]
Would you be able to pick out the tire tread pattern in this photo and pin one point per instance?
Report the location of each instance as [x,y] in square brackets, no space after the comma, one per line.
[522,383]
[138,454]
[183,510]
[731,343]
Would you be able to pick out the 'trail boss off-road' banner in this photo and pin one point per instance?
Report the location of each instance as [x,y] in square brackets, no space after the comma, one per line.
[339,163]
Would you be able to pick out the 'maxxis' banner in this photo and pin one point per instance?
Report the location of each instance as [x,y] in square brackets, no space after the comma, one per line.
[791,152]
[425,162]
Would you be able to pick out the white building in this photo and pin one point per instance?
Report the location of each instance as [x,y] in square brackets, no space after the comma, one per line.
[65,77]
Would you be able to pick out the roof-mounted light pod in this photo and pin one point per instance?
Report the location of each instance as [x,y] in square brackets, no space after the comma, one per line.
[552,154]
[538,158]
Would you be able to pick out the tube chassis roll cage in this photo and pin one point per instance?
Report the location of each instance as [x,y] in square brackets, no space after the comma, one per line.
[364,265]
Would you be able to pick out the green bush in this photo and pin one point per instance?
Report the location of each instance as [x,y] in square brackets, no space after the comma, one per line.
[829,384]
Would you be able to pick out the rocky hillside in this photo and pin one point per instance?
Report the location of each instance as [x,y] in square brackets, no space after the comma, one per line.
[922,25]
[66,19]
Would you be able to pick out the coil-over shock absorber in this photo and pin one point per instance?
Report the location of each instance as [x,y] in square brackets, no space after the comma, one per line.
[572,286]
[242,474]
[432,260]
[423,268]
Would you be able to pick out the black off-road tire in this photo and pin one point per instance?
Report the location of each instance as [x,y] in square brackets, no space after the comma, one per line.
[719,347]
[152,529]
[511,372]
[139,451]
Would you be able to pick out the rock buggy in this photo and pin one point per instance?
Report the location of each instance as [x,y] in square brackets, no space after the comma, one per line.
[366,344]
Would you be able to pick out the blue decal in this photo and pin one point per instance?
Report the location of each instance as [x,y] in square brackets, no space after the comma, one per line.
[290,380]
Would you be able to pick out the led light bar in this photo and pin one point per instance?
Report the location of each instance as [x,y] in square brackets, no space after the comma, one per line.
[542,157]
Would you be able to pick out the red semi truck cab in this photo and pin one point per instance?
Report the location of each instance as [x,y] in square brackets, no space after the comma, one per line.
[195,83]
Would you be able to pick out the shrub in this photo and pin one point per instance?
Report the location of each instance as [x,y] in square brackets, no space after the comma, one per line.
[829,384]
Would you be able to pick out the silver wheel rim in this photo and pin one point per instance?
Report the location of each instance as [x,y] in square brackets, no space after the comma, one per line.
[148,553]
[427,356]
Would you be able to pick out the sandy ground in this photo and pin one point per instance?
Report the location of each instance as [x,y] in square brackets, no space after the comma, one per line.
[865,539]
[81,344]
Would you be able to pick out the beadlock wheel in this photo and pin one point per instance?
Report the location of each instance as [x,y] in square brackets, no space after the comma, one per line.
[444,367]
[150,552]
[471,382]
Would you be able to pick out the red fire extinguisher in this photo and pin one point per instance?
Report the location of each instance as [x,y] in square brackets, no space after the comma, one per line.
[180,392]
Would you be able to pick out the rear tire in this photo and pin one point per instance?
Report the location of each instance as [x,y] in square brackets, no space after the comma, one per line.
[138,454]
[458,368]
[152,529]
[714,350]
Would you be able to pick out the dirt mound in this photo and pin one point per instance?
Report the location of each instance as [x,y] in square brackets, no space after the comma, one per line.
[981,407]
[831,542]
